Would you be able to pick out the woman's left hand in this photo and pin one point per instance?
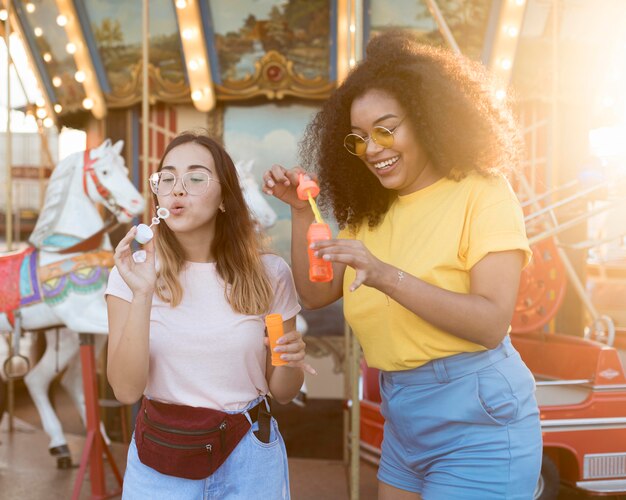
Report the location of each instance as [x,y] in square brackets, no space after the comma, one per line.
[292,349]
[369,269]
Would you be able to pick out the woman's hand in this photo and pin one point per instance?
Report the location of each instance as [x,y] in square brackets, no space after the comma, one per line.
[282,183]
[140,277]
[370,271]
[292,349]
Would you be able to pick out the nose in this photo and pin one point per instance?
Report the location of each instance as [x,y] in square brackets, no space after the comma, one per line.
[178,189]
[372,148]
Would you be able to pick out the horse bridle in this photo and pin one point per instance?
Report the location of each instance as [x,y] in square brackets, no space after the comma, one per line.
[90,173]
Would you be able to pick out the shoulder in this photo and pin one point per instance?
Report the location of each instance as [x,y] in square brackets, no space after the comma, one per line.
[490,189]
[274,264]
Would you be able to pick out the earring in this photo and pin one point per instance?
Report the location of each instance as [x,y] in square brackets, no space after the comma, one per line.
[222,208]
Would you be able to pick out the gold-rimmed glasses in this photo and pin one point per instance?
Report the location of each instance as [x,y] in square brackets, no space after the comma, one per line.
[357,145]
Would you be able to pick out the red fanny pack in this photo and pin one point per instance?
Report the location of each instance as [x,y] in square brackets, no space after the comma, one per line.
[186,441]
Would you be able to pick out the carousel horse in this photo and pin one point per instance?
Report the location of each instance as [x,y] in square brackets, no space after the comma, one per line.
[60,278]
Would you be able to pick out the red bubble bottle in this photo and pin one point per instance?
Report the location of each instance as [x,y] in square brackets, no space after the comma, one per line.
[320,270]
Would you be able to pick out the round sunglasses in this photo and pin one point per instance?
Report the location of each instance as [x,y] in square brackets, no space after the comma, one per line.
[357,145]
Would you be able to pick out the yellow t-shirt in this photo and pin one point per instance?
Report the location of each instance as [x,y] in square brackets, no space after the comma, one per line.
[436,234]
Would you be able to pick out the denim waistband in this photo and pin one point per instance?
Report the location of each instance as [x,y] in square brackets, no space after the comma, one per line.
[445,369]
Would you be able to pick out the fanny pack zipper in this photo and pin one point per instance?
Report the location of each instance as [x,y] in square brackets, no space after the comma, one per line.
[221,428]
[208,447]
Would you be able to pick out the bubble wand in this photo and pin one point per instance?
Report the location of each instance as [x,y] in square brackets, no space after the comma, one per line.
[320,270]
[145,234]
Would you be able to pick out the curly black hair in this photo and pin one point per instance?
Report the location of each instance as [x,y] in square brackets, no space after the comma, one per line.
[453,111]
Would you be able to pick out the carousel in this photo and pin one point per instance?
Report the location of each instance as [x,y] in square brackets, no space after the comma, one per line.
[132,75]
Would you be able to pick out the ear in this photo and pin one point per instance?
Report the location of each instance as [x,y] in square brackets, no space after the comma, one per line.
[118,146]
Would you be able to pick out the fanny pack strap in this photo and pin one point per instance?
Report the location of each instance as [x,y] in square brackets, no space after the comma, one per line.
[264,418]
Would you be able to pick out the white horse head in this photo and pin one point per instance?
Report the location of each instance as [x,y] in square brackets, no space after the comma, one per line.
[77,185]
[257,203]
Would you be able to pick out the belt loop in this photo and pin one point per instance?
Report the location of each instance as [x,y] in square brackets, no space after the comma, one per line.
[247,415]
[267,404]
[440,371]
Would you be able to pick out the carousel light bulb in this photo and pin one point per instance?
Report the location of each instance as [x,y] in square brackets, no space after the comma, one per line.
[58,108]
[506,64]
[352,62]
[48,122]
[511,31]
[196,95]
[39,102]
[187,33]
[3,15]
[87,103]
[38,31]
[352,28]
[500,94]
[520,2]
[70,48]
[79,76]
[41,113]
[193,65]
[30,7]
[56,81]
[181,4]
[47,57]
[61,20]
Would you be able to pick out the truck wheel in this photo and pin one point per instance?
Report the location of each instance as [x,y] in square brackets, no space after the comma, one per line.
[548,484]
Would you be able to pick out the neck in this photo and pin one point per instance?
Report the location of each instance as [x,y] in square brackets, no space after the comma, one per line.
[197,244]
[80,218]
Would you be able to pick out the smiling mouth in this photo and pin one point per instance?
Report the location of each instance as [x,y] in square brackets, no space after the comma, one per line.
[381,165]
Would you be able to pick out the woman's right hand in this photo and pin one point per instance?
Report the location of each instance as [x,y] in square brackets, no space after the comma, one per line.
[140,277]
[282,183]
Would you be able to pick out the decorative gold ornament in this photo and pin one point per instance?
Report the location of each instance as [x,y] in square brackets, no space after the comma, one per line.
[274,77]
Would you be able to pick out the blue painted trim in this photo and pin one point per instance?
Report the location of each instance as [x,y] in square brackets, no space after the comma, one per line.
[34,52]
[333,41]
[490,32]
[367,25]
[209,40]
[94,53]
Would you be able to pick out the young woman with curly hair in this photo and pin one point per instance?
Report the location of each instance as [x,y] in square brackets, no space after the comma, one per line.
[410,152]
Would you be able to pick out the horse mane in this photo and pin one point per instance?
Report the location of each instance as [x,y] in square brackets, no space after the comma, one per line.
[55,199]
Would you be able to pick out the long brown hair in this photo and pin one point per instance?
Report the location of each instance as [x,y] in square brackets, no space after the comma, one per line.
[236,245]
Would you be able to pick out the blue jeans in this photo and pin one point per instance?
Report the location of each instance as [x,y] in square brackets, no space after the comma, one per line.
[463,427]
[253,470]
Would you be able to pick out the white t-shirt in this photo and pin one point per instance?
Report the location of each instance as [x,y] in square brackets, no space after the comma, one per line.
[202,353]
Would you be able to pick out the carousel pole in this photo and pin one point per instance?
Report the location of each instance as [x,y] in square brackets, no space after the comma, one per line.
[9,139]
[8,226]
[145,109]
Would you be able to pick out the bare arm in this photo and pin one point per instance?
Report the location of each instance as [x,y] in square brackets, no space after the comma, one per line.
[129,323]
[481,316]
[129,347]
[282,184]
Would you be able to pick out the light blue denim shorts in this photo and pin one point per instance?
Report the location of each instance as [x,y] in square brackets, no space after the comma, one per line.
[463,427]
[253,470]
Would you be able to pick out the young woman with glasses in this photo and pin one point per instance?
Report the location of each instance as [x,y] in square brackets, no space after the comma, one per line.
[410,152]
[187,332]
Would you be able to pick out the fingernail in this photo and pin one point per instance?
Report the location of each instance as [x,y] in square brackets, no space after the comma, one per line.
[280,341]
[283,356]
[326,257]
[278,349]
[306,178]
[270,183]
[316,254]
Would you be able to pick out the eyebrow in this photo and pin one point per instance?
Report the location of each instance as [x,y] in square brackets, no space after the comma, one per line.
[190,167]
[379,120]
